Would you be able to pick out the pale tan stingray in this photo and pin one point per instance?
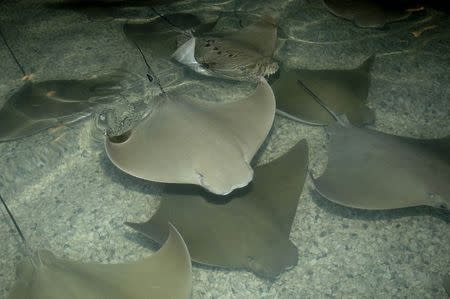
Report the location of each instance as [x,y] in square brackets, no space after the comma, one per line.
[165,274]
[194,142]
[242,55]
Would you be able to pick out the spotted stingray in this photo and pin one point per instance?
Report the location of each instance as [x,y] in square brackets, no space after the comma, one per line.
[242,55]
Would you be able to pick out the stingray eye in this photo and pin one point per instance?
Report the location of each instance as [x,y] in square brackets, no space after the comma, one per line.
[101,122]
[120,138]
[102,117]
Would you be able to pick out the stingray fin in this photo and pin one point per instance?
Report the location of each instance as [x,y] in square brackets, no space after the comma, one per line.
[262,36]
[186,52]
[292,168]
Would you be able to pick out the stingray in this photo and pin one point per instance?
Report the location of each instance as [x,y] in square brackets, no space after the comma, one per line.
[193,142]
[39,106]
[248,228]
[159,37]
[369,13]
[373,170]
[242,55]
[165,274]
[344,91]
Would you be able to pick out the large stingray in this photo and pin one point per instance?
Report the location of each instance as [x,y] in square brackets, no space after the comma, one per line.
[344,91]
[159,36]
[165,274]
[248,228]
[372,170]
[39,106]
[243,55]
[193,142]
[369,13]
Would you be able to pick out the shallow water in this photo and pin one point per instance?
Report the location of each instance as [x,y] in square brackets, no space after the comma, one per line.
[69,198]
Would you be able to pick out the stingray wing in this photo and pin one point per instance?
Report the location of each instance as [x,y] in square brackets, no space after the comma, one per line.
[260,36]
[343,91]
[39,106]
[165,274]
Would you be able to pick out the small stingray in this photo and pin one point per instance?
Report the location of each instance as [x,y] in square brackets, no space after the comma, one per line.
[372,170]
[243,55]
[165,274]
[39,106]
[159,37]
[369,13]
[344,91]
[193,142]
[246,229]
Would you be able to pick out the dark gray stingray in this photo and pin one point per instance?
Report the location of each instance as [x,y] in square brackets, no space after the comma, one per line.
[344,91]
[369,13]
[372,170]
[159,36]
[39,106]
[246,54]
[165,274]
[197,142]
[248,228]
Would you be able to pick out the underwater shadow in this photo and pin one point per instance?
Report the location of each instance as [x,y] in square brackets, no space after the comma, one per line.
[371,215]
[128,181]
[142,240]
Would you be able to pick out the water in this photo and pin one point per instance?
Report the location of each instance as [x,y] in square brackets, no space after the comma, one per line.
[70,199]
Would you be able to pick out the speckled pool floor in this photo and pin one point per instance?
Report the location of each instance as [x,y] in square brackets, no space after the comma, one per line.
[70,199]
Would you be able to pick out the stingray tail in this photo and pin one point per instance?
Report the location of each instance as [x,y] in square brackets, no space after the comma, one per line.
[11,52]
[16,225]
[151,76]
[341,119]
